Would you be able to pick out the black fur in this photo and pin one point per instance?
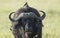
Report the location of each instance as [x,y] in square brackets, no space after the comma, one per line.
[19,28]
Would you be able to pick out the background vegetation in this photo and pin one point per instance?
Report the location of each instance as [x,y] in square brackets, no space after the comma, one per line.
[51,23]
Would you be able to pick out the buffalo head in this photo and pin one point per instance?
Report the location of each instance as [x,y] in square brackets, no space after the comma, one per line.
[28,21]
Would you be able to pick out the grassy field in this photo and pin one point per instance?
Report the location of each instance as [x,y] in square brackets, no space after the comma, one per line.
[51,23]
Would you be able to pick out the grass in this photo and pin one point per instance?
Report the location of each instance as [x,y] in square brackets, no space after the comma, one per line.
[51,23]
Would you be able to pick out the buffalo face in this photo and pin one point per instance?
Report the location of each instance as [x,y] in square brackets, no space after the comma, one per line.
[27,22]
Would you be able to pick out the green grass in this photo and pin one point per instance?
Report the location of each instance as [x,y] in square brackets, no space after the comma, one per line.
[51,23]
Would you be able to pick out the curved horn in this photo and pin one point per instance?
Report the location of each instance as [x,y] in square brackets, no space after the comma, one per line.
[44,15]
[10,16]
[19,16]
[16,19]
[24,15]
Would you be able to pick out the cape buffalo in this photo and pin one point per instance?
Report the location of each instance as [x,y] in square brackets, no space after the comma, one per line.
[27,22]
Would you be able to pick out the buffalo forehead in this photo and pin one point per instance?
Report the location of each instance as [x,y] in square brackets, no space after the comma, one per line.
[28,15]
